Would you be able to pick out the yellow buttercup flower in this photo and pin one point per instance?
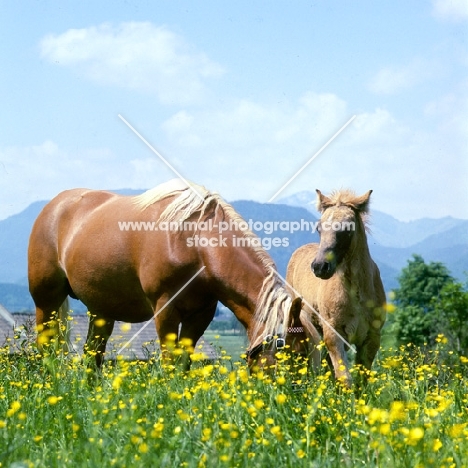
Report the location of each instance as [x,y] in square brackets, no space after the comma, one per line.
[436,445]
[281,398]
[14,407]
[300,453]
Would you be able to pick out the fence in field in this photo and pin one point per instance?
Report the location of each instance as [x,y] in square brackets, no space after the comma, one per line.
[143,345]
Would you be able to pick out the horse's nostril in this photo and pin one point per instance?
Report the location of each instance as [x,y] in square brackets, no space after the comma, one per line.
[322,269]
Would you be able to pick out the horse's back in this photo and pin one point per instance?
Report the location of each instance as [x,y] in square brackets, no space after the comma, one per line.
[55,224]
[70,206]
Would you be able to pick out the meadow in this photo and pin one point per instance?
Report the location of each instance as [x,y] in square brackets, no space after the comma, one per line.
[55,412]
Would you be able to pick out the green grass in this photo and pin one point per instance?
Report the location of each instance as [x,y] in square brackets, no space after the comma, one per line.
[232,344]
[54,413]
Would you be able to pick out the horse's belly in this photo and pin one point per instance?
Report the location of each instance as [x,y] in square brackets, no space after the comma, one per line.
[132,315]
[125,310]
[113,297]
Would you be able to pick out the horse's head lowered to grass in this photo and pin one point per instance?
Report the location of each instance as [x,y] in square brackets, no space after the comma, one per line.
[340,227]
[292,339]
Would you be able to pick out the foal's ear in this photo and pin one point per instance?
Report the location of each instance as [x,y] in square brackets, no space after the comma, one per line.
[296,308]
[323,202]
[362,203]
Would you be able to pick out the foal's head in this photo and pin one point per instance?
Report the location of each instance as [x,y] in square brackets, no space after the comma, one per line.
[339,224]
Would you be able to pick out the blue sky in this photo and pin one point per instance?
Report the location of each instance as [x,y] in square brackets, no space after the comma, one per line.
[237,96]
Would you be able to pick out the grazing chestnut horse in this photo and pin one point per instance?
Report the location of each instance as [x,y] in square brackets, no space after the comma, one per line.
[129,259]
[339,279]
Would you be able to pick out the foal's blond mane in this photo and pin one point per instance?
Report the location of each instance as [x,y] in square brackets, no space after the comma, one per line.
[273,302]
[343,196]
[349,198]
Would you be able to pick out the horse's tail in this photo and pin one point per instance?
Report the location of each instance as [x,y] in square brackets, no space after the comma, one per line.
[63,316]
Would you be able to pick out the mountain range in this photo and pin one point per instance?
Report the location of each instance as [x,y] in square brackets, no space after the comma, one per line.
[391,242]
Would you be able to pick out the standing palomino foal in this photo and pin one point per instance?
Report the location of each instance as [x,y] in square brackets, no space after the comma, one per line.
[340,281]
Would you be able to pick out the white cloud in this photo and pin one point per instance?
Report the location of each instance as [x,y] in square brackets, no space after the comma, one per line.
[451,111]
[249,150]
[392,80]
[244,123]
[450,10]
[250,147]
[135,55]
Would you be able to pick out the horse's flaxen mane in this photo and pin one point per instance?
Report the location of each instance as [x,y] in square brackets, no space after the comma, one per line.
[273,307]
[188,201]
[165,190]
[273,303]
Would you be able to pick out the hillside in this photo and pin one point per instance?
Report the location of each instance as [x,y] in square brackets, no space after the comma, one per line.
[449,247]
[14,237]
[15,297]
[273,212]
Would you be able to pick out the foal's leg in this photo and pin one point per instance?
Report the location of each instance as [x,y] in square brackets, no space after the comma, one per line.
[99,331]
[338,357]
[366,353]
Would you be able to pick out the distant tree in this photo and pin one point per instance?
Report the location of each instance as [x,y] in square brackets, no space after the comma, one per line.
[413,325]
[421,284]
[451,312]
[219,325]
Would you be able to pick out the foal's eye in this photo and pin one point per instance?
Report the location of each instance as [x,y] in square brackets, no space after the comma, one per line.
[344,234]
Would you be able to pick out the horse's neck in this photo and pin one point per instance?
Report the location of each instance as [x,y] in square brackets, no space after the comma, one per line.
[239,279]
[253,292]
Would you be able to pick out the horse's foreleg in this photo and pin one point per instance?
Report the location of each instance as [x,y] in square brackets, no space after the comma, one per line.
[193,329]
[99,331]
[366,353]
[338,357]
[167,321]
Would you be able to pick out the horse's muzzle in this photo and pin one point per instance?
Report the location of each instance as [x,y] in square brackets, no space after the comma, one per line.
[323,270]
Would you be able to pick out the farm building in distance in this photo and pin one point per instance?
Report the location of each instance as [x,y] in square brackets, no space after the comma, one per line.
[132,341]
